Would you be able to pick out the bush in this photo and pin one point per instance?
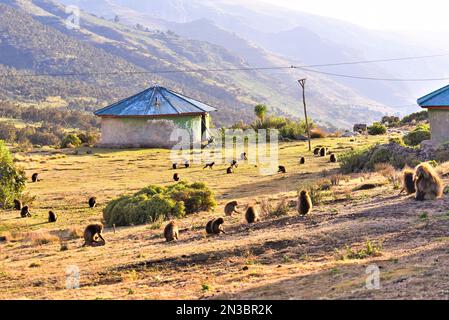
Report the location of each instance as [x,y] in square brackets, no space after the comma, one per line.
[418,135]
[12,179]
[365,159]
[71,140]
[377,129]
[416,117]
[398,141]
[155,203]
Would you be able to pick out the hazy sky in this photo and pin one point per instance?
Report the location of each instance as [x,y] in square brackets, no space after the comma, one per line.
[425,15]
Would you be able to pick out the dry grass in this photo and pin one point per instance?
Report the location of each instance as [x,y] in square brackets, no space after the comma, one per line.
[282,257]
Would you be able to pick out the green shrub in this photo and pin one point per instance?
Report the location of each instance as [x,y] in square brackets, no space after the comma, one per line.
[416,117]
[12,179]
[154,203]
[418,135]
[365,159]
[377,129]
[71,140]
[398,141]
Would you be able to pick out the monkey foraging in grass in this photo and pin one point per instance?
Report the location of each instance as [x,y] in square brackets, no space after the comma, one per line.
[316,151]
[333,158]
[215,226]
[229,170]
[251,215]
[17,205]
[91,233]
[302,160]
[52,217]
[408,181]
[323,152]
[209,165]
[171,231]
[176,177]
[231,207]
[92,202]
[35,177]
[282,169]
[234,164]
[427,183]
[304,203]
[25,212]
[174,166]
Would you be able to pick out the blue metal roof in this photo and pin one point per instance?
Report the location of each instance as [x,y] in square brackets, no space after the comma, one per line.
[439,98]
[153,102]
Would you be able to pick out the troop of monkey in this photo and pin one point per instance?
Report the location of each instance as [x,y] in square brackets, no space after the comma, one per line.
[91,233]
[423,181]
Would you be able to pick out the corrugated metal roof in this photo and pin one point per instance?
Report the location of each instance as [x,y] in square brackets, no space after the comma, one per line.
[439,98]
[155,101]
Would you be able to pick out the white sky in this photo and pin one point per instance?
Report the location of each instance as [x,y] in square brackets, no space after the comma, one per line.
[406,15]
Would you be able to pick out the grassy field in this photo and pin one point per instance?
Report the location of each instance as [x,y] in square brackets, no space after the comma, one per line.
[324,255]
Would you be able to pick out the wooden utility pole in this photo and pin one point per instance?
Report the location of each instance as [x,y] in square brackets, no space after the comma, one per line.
[302,82]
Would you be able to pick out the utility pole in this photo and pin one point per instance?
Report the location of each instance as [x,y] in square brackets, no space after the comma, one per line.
[302,82]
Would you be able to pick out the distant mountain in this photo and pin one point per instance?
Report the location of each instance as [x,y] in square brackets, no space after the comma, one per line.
[302,38]
[34,39]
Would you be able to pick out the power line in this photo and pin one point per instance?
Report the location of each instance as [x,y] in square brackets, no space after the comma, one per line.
[373,78]
[200,70]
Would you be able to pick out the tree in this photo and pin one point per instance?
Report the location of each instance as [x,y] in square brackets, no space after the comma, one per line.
[12,179]
[260,110]
[377,129]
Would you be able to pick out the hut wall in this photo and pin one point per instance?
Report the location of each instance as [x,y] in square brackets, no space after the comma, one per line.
[147,133]
[439,120]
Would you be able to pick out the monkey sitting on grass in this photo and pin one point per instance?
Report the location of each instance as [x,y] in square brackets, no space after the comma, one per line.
[215,226]
[91,235]
[408,181]
[171,231]
[304,203]
[427,183]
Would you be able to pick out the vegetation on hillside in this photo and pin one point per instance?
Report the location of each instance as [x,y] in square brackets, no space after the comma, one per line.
[12,179]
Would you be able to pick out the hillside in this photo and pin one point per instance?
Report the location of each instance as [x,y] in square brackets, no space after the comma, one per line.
[306,38]
[142,50]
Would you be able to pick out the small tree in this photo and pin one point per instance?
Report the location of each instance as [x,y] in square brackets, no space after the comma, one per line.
[261,110]
[12,179]
[377,129]
[71,140]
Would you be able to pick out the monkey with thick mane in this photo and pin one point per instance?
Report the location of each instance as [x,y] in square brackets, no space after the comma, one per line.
[91,235]
[282,169]
[231,208]
[408,181]
[171,231]
[25,212]
[304,203]
[35,177]
[215,226]
[427,183]
[52,217]
[323,152]
[251,215]
[17,205]
[333,158]
[92,202]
